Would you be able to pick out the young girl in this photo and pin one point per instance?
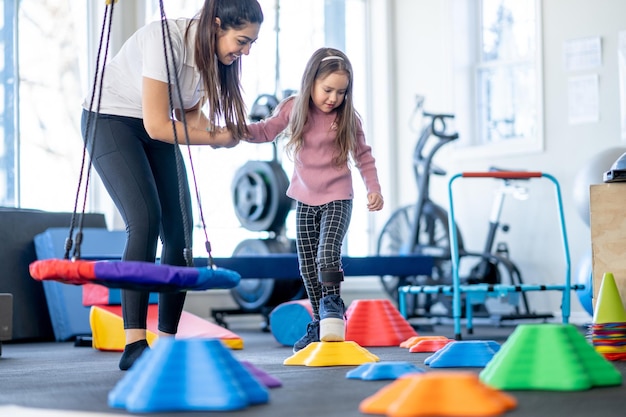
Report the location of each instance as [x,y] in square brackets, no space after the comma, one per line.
[134,143]
[325,134]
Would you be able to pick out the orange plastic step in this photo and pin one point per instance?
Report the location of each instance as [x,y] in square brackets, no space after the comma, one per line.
[441,394]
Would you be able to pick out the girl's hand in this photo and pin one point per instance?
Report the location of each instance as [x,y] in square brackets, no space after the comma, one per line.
[375,202]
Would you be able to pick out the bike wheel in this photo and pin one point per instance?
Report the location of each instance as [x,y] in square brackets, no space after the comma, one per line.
[394,240]
[434,240]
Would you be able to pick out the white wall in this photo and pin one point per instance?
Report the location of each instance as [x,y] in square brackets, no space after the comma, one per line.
[422,38]
[412,52]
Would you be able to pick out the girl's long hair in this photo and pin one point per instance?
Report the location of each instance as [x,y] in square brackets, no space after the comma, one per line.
[346,121]
[222,83]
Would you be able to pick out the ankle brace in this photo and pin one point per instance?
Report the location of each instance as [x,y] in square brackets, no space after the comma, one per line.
[331,277]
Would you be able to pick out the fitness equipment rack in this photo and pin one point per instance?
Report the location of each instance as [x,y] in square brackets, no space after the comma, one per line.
[480,291]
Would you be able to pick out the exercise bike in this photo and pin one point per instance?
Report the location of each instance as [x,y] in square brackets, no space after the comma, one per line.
[422,228]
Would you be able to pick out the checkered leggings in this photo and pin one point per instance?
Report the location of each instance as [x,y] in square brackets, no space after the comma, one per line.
[319,235]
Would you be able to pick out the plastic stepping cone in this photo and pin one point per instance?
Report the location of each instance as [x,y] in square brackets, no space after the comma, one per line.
[609,306]
[411,341]
[432,345]
[383,370]
[465,353]
[552,357]
[376,323]
[265,378]
[439,393]
[187,375]
[331,354]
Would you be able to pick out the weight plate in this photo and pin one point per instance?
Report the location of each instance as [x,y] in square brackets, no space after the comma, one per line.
[259,196]
[263,107]
[252,294]
[250,194]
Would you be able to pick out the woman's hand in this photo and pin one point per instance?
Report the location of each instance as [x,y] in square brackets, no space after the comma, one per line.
[223,138]
[375,202]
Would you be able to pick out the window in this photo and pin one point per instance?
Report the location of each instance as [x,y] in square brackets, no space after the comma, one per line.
[54,77]
[52,51]
[8,107]
[290,33]
[507,78]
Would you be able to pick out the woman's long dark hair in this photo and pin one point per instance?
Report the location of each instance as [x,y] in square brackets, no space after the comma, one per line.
[222,83]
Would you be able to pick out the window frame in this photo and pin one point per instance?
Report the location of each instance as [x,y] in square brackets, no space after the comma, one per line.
[474,146]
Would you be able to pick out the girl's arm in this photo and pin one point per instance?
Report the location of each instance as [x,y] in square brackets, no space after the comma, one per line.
[158,120]
[267,130]
[366,164]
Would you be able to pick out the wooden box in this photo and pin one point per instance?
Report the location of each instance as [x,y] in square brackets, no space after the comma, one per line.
[607,210]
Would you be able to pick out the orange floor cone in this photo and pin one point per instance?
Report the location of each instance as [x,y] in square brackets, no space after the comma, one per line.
[376,323]
[609,307]
[412,341]
[447,394]
[432,345]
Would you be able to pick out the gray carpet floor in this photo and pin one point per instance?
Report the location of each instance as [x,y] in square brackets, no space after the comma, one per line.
[38,377]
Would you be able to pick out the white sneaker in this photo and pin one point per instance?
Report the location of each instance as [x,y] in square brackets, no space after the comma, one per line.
[332,323]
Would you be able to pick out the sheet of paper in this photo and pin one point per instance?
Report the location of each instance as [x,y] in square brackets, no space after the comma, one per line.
[583,99]
[583,54]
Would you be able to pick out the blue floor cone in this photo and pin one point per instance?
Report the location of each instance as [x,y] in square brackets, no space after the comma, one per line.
[187,375]
[468,353]
[383,370]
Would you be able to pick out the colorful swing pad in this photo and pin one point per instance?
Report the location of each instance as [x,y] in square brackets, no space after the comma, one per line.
[145,276]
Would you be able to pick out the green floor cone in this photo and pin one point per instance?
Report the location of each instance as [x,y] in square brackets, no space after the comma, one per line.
[609,307]
[551,357]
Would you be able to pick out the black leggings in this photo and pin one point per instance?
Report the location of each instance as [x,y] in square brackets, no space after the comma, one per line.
[140,175]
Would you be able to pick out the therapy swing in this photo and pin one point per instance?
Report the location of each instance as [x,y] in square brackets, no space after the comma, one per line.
[138,275]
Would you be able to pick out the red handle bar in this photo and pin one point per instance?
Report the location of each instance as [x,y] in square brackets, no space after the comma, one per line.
[511,175]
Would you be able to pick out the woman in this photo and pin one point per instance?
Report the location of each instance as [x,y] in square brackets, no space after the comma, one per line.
[133,145]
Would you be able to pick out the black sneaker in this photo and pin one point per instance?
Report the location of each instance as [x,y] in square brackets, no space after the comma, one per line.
[332,324]
[312,335]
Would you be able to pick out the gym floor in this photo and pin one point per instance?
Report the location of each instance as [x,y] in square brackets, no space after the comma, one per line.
[60,379]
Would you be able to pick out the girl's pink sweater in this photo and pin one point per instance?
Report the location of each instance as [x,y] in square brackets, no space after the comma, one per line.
[316,180]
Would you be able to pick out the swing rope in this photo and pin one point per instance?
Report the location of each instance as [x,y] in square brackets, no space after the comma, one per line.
[167,43]
[90,140]
[69,244]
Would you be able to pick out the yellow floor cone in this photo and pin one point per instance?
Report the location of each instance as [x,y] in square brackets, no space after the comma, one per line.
[609,307]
